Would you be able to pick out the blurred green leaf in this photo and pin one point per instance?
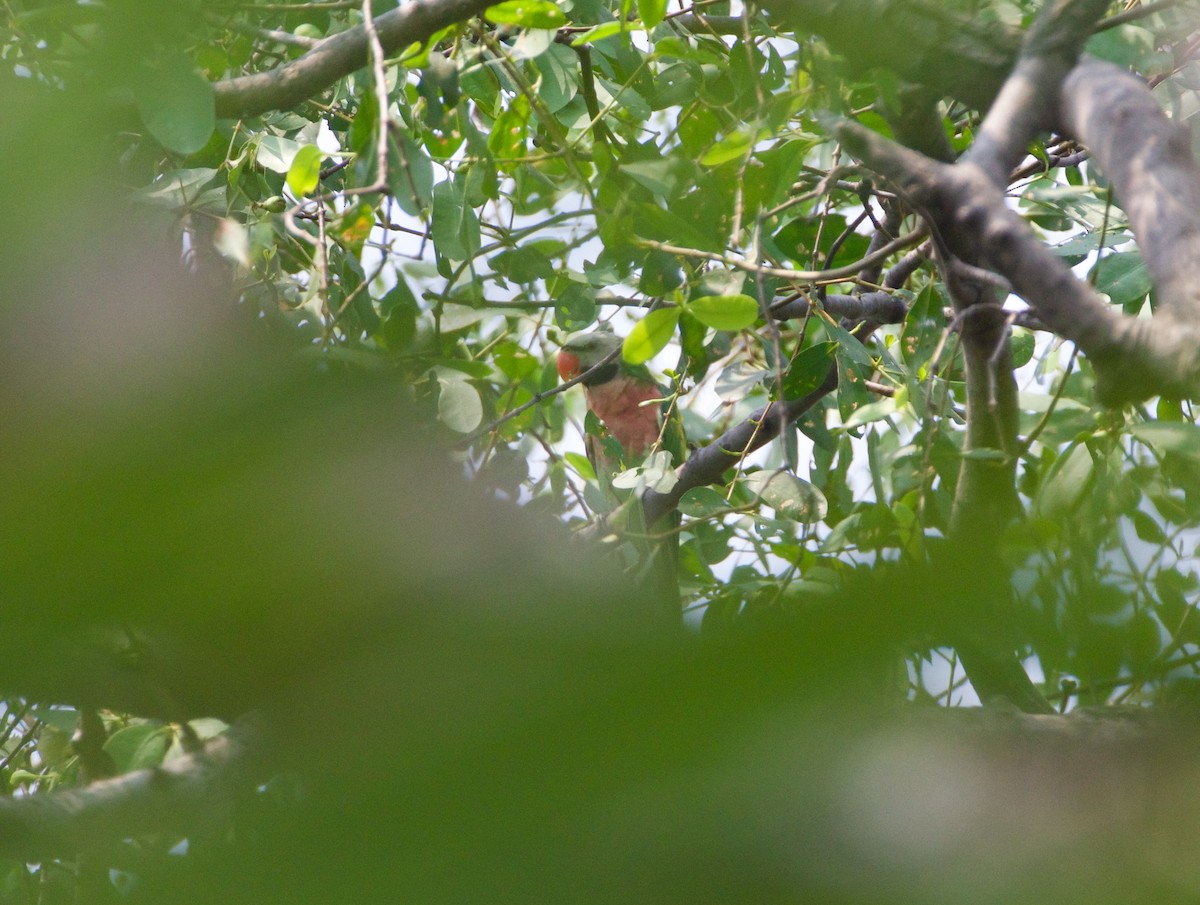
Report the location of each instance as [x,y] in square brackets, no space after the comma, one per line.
[724,312]
[527,14]
[176,104]
[650,335]
[305,172]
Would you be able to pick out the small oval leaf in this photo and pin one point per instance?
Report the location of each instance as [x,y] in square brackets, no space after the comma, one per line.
[527,14]
[459,405]
[652,12]
[724,312]
[305,171]
[789,496]
[701,502]
[731,147]
[650,335]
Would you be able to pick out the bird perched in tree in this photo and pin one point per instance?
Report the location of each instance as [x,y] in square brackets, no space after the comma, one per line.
[629,406]
[624,397]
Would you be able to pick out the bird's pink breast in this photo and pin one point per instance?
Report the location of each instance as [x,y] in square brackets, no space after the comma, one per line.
[618,404]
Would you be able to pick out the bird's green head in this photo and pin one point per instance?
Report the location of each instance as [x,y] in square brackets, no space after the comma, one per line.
[583,351]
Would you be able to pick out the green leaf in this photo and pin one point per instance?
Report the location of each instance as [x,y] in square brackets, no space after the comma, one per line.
[1022,344]
[455,227]
[656,175]
[849,345]
[1123,278]
[508,135]
[276,153]
[527,14]
[736,144]
[652,12]
[1173,436]
[701,502]
[581,464]
[411,176]
[873,411]
[138,747]
[808,369]
[305,172]
[650,335]
[724,312]
[1126,45]
[558,84]
[523,265]
[459,405]
[737,381]
[1066,481]
[177,188]
[1147,528]
[789,496]
[176,104]
[599,33]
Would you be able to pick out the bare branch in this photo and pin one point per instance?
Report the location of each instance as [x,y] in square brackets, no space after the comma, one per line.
[707,465]
[1025,104]
[1149,162]
[802,276]
[879,307]
[171,798]
[1134,358]
[337,56]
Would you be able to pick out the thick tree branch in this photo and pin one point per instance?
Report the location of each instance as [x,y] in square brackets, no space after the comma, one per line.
[1025,104]
[707,465]
[1134,358]
[287,86]
[1149,161]
[196,789]
[985,496]
[880,307]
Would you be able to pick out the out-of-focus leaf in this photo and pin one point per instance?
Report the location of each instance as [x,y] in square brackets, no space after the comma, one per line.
[138,747]
[527,14]
[176,104]
[788,495]
[651,12]
[1124,279]
[459,405]
[650,335]
[724,312]
[305,172]
[731,147]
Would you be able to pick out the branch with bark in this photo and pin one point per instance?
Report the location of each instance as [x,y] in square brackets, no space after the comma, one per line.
[412,22]
[196,790]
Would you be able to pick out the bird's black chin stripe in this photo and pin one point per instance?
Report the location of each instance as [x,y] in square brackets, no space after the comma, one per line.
[604,375]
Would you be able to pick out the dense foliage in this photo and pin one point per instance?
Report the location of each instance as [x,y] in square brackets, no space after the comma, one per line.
[442,212]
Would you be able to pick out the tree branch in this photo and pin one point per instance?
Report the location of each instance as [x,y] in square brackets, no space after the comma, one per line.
[1134,358]
[287,86]
[879,307]
[1025,104]
[708,464]
[1149,161]
[175,798]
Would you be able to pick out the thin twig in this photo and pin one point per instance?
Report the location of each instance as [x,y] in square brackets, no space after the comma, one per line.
[539,398]
[803,276]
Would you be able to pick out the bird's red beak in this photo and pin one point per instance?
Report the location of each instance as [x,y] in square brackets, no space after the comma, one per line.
[568,365]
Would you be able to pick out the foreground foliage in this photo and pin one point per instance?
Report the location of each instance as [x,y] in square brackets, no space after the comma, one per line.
[942,442]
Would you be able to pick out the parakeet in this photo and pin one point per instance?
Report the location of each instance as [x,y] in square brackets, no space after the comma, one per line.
[623,396]
[628,403]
